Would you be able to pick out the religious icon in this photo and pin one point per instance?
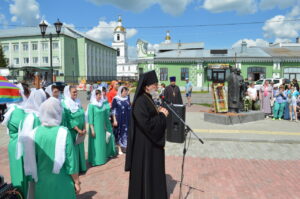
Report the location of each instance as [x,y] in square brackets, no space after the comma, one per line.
[220,98]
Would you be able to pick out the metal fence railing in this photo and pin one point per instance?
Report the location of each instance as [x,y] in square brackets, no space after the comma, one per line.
[73,79]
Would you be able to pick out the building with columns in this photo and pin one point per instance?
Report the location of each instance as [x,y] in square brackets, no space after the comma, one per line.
[126,69]
[193,61]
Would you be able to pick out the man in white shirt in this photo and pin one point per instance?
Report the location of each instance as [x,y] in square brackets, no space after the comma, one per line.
[252,93]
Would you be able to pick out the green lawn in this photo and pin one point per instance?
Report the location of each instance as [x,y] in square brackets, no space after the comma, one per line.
[203,104]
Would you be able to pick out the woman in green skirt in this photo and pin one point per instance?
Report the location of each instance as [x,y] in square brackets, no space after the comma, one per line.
[111,146]
[74,120]
[12,119]
[52,155]
[97,132]
[30,121]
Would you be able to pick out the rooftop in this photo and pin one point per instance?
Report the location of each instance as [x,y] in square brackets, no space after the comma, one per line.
[180,46]
[169,51]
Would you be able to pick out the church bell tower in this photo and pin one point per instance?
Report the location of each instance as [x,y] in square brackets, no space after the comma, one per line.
[119,43]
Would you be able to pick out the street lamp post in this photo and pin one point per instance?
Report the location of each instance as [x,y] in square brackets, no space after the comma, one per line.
[43,26]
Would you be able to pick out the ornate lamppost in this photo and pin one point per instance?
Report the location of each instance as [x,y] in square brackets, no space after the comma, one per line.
[43,26]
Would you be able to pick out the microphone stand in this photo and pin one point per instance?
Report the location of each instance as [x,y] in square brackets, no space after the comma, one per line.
[186,131]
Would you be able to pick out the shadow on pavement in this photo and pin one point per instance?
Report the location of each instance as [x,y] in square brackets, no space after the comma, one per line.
[171,183]
[87,195]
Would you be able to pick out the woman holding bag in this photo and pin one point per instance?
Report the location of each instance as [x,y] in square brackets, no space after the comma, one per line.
[74,120]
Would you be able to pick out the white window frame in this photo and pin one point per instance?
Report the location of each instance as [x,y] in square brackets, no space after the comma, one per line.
[45,60]
[35,59]
[23,47]
[45,46]
[55,45]
[16,47]
[16,59]
[5,47]
[37,46]
[27,60]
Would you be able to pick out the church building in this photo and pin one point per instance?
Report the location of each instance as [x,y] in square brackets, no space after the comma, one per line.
[126,69]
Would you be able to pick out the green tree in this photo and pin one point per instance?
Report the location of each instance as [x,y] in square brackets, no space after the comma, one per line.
[3,61]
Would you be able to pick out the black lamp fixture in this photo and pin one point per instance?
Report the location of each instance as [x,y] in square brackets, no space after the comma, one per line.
[58,26]
[43,27]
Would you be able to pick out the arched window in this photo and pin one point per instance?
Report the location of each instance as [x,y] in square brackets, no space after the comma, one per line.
[118,52]
[118,37]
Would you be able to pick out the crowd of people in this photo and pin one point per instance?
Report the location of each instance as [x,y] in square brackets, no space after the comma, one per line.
[278,102]
[47,132]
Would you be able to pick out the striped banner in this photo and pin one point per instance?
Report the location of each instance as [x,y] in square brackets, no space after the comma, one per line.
[9,93]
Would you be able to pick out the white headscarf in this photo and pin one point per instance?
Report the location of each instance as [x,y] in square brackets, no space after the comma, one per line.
[50,115]
[30,165]
[35,99]
[93,99]
[49,90]
[32,105]
[119,94]
[51,112]
[72,105]
[24,98]
[10,109]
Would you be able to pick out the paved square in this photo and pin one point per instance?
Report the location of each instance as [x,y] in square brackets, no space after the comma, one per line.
[257,160]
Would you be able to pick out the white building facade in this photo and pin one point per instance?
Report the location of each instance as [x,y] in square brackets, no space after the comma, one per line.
[127,70]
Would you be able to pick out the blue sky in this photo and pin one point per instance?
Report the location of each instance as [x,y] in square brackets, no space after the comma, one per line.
[91,15]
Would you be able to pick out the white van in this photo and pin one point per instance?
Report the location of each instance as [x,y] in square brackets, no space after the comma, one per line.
[277,82]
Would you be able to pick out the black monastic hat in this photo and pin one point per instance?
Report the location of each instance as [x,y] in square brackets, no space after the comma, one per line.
[145,79]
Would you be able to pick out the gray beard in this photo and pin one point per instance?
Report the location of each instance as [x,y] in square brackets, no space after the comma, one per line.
[154,94]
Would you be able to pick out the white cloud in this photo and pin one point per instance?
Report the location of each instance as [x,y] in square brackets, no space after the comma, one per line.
[282,4]
[279,40]
[278,28]
[240,6]
[3,21]
[25,11]
[70,25]
[104,31]
[251,42]
[173,7]
[284,28]
[295,11]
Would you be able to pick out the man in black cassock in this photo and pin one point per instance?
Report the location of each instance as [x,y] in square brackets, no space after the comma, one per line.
[172,92]
[145,155]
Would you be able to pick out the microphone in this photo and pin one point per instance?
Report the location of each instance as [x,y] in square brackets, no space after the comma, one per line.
[162,98]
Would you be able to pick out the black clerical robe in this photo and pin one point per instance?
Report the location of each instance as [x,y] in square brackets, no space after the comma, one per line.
[172,95]
[145,157]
